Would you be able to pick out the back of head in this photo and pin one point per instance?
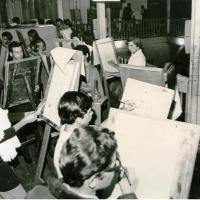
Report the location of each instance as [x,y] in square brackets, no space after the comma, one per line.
[88,151]
[16,20]
[85,50]
[72,105]
[7,34]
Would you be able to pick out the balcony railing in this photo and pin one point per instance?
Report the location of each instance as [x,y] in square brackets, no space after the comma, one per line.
[146,28]
[141,28]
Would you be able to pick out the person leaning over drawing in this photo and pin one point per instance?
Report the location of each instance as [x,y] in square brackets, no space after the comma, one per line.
[90,168]
[10,186]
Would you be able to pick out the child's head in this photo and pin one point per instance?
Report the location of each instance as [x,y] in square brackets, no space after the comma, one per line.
[85,50]
[33,35]
[87,158]
[75,106]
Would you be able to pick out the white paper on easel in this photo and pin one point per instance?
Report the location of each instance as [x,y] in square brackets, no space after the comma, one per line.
[63,77]
[146,99]
[156,150]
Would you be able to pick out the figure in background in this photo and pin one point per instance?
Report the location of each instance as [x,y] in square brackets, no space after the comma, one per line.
[6,38]
[67,29]
[128,13]
[15,21]
[143,12]
[74,109]
[59,26]
[37,44]
[137,57]
[92,77]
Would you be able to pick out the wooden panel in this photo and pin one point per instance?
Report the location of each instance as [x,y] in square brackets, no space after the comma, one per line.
[151,75]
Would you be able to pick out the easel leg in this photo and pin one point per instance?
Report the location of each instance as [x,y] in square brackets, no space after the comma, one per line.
[43,151]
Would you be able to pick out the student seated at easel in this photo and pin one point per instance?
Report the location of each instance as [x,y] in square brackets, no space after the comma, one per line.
[10,186]
[90,165]
[74,109]
[15,51]
[93,80]
[37,44]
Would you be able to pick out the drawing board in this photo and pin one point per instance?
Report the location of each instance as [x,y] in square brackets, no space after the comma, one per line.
[151,75]
[21,77]
[64,76]
[146,99]
[104,51]
[161,152]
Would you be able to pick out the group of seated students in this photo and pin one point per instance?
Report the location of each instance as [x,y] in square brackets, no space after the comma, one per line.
[85,157]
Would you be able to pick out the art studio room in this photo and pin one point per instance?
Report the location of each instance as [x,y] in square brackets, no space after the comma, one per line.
[99,99]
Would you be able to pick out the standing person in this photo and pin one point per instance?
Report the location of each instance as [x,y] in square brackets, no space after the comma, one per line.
[37,44]
[137,57]
[74,109]
[127,13]
[143,12]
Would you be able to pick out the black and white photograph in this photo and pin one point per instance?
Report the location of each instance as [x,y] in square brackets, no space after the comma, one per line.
[99,99]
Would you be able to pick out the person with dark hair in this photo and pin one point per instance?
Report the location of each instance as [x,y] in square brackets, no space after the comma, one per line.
[6,38]
[143,12]
[137,57]
[91,74]
[91,168]
[37,44]
[127,13]
[15,51]
[15,21]
[74,109]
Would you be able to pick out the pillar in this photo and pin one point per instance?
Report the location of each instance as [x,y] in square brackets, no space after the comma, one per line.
[101,20]
[60,9]
[193,105]
[168,15]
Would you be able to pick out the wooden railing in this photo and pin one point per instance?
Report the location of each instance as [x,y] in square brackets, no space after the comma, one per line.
[141,28]
[177,27]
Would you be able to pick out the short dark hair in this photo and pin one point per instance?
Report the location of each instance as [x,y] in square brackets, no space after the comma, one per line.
[87,151]
[7,34]
[72,105]
[85,50]
[16,20]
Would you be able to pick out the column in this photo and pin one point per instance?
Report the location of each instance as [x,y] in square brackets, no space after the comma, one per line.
[60,9]
[101,20]
[193,105]
[168,15]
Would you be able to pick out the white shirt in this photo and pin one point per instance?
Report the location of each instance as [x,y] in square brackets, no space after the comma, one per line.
[137,59]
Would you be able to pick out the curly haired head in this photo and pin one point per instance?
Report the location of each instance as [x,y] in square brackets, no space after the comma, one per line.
[87,151]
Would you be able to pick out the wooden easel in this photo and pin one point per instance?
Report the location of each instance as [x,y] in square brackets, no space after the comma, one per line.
[58,70]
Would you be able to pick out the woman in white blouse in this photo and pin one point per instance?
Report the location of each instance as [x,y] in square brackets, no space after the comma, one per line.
[137,57]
